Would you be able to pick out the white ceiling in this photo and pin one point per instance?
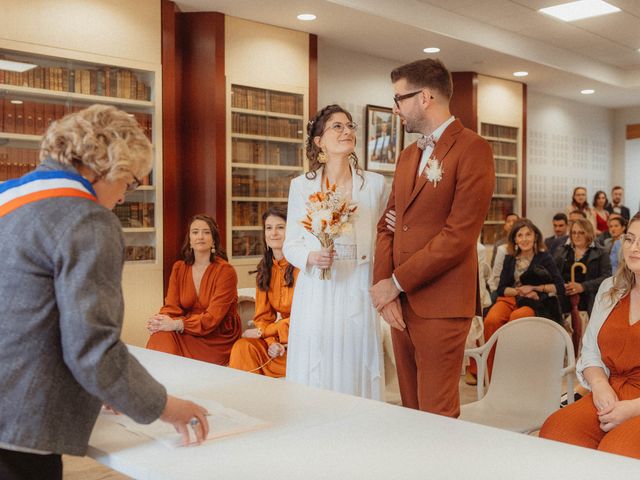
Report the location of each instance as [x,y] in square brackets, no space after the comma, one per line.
[492,37]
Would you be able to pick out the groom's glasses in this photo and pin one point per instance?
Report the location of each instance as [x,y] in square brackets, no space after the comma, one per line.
[398,98]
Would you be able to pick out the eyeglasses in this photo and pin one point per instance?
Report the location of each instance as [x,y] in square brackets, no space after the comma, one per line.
[339,127]
[397,98]
[131,186]
[631,240]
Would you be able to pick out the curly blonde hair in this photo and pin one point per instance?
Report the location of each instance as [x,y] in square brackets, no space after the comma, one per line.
[106,140]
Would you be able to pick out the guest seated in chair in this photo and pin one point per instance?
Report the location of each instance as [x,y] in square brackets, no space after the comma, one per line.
[608,418]
[528,282]
[200,314]
[582,248]
[263,349]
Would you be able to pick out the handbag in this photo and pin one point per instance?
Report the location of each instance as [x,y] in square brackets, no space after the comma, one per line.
[546,306]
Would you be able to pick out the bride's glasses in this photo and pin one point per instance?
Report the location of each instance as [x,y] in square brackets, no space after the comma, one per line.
[339,127]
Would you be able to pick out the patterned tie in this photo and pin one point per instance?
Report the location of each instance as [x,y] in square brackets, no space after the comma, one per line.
[426,141]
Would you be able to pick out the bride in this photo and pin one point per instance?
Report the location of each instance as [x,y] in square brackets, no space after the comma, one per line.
[334,337]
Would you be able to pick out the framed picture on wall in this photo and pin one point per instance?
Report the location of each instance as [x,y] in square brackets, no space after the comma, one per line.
[384,139]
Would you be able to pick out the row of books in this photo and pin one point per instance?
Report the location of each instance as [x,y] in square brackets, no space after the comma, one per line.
[245,244]
[104,81]
[137,253]
[264,100]
[498,131]
[505,149]
[506,186]
[15,162]
[491,233]
[135,214]
[506,166]
[266,153]
[33,118]
[248,214]
[273,127]
[499,208]
[248,185]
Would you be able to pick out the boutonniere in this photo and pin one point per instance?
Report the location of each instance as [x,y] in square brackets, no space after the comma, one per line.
[434,171]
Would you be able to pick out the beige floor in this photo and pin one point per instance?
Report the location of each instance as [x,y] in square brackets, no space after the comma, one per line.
[84,468]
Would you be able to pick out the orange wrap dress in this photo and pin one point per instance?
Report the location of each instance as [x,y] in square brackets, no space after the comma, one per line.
[210,316]
[578,424]
[251,354]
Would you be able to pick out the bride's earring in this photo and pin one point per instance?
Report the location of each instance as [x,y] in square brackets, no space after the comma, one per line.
[322,157]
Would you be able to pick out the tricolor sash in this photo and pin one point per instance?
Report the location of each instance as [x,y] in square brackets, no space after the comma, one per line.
[39,185]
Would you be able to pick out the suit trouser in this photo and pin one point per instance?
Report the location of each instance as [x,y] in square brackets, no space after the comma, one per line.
[429,354]
[29,466]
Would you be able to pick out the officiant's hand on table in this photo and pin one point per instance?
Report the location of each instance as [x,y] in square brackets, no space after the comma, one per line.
[182,413]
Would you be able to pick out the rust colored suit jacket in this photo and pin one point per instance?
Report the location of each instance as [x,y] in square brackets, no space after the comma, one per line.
[433,250]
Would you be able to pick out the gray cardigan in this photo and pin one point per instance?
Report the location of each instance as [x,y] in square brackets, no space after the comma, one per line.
[60,351]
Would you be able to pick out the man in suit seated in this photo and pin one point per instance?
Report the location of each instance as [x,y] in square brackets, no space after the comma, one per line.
[559,237]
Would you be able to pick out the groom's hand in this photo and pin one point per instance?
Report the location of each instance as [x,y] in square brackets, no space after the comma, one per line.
[383,292]
[392,314]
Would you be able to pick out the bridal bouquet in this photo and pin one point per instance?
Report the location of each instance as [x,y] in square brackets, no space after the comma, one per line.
[328,216]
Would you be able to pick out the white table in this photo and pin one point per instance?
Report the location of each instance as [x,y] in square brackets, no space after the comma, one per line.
[319,434]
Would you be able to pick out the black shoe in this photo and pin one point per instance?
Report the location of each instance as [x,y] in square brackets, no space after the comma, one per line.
[576,397]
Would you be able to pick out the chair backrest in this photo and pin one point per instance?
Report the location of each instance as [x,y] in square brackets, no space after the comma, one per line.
[532,356]
[246,306]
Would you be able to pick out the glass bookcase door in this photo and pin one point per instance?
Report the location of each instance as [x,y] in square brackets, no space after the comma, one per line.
[54,87]
[505,145]
[267,132]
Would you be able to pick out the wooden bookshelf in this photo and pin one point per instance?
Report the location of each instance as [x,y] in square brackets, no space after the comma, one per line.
[265,151]
[30,101]
[504,141]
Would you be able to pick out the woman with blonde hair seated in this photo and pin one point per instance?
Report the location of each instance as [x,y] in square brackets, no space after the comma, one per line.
[264,348]
[199,318]
[608,418]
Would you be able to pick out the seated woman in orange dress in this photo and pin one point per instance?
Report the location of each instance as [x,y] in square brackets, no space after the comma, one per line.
[263,350]
[200,315]
[608,418]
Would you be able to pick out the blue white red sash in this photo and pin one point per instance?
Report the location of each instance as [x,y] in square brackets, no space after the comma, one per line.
[39,185]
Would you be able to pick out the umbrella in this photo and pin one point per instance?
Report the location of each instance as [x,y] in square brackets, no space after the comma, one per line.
[576,322]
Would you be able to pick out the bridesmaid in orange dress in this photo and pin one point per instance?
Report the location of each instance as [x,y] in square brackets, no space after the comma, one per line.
[199,318]
[608,418]
[263,350]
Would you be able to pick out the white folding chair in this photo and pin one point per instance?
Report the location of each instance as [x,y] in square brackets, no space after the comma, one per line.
[532,357]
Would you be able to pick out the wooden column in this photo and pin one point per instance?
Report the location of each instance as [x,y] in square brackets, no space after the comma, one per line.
[313,75]
[464,102]
[172,208]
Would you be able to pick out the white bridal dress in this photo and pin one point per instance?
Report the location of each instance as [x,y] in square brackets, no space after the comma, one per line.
[334,337]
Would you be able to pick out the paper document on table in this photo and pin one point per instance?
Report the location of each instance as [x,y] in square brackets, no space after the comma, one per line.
[223,421]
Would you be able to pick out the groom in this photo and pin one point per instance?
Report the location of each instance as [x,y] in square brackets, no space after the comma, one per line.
[426,271]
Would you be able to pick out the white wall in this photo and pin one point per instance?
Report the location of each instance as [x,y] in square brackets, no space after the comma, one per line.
[354,80]
[569,144]
[626,156]
[119,32]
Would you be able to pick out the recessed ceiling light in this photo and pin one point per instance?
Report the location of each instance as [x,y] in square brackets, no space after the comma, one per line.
[579,10]
[520,74]
[16,66]
[431,50]
[307,17]
[587,91]
[17,102]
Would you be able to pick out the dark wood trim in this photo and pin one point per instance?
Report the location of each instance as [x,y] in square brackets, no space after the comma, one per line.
[633,131]
[171,174]
[524,151]
[313,74]
[464,102]
[203,152]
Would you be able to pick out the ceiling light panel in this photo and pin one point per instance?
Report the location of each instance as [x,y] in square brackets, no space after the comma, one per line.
[572,11]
